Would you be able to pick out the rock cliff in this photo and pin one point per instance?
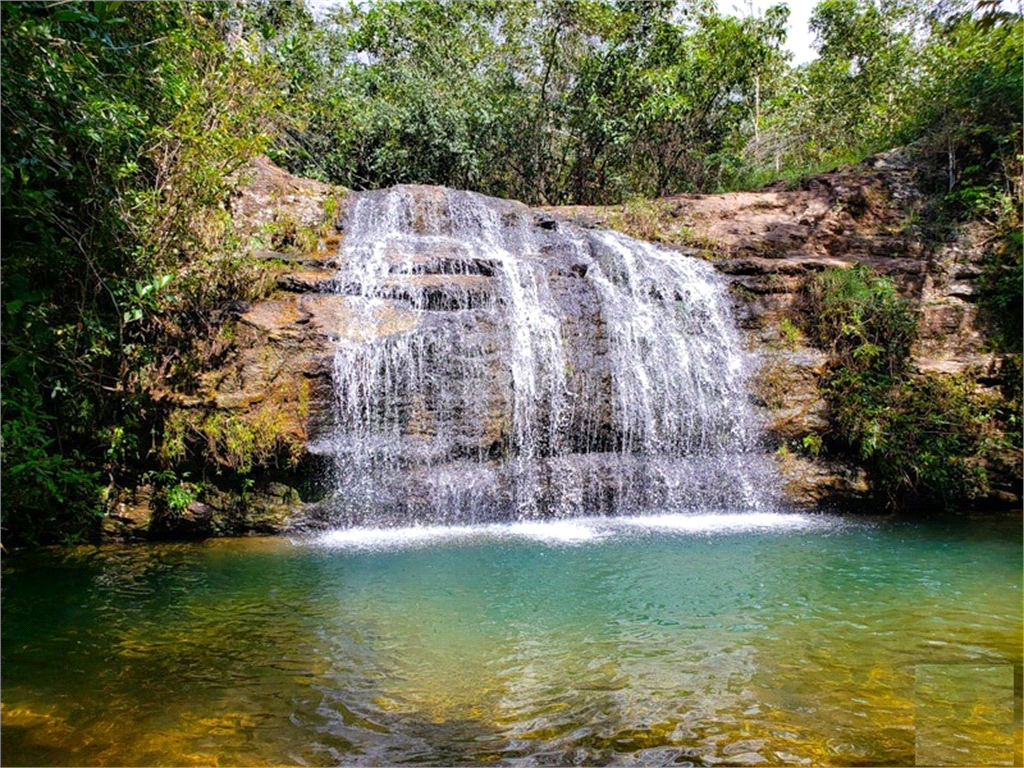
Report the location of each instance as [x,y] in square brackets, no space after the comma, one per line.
[270,389]
[880,214]
[268,378]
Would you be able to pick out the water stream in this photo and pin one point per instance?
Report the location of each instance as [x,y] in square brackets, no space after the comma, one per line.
[514,367]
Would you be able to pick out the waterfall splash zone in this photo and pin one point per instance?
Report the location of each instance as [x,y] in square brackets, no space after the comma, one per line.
[568,532]
[507,367]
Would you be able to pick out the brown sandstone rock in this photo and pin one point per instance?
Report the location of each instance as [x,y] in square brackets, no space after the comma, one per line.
[765,243]
[129,514]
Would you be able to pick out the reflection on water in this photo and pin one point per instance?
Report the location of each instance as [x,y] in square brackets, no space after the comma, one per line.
[785,640]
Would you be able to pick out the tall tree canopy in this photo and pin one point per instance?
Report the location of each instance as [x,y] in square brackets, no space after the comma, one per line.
[547,102]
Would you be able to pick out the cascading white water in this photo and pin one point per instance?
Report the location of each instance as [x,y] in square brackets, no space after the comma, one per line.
[505,366]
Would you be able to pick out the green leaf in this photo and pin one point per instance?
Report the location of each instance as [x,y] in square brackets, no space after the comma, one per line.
[74,14]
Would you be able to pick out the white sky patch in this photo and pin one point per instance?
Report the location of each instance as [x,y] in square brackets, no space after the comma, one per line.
[321,8]
[799,38]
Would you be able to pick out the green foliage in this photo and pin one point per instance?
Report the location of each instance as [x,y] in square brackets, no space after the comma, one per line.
[597,101]
[180,496]
[861,319]
[925,438]
[941,77]
[48,493]
[843,105]
[285,235]
[640,217]
[123,128]
[812,444]
[1010,410]
[789,334]
[548,102]
[1002,282]
[237,442]
[969,110]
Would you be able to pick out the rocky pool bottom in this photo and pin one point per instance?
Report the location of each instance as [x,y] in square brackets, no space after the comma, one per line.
[766,639]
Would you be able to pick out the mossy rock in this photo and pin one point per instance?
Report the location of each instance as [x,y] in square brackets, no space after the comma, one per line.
[265,509]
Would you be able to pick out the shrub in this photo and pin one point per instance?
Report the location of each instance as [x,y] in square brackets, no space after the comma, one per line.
[123,128]
[180,496]
[48,496]
[860,319]
[923,437]
[1001,299]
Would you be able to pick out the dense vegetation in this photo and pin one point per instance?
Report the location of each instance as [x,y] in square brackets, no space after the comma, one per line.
[122,125]
[125,126]
[926,438]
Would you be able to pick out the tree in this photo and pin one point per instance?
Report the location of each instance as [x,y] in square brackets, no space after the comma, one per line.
[122,127]
[550,102]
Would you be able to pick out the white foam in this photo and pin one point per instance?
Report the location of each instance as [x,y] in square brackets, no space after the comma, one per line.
[713,523]
[574,531]
[565,532]
[394,538]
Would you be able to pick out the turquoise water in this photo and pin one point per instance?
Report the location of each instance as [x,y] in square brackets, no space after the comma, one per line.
[708,640]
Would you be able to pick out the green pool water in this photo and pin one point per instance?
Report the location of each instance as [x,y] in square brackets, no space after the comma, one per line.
[708,640]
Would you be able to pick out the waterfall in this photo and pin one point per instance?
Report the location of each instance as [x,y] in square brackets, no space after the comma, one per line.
[494,364]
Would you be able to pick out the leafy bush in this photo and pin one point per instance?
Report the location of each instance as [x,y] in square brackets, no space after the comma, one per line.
[265,437]
[1002,299]
[924,438]
[124,126]
[861,320]
[48,494]
[180,496]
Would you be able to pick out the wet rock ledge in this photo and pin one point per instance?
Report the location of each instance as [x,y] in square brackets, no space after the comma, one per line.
[271,381]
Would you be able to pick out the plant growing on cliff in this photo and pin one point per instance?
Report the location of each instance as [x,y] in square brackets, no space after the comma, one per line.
[179,496]
[1002,297]
[122,127]
[240,442]
[923,437]
[861,320]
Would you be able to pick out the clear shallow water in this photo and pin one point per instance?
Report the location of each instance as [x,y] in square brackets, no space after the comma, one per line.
[708,640]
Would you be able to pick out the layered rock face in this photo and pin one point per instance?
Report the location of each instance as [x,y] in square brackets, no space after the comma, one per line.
[443,351]
[498,364]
